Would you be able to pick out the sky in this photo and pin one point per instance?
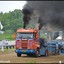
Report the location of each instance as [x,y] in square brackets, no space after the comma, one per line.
[6,6]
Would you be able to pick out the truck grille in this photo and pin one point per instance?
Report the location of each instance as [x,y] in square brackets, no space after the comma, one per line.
[24,44]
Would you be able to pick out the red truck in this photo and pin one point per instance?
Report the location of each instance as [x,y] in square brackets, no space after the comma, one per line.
[27,42]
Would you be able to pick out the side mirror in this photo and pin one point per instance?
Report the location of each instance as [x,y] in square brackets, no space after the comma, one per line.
[15,36]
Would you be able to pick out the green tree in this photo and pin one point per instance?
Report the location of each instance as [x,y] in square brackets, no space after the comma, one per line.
[12,20]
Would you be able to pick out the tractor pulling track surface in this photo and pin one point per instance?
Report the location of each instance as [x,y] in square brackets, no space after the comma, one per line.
[11,57]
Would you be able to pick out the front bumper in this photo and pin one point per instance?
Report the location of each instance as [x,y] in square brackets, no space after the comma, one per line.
[22,51]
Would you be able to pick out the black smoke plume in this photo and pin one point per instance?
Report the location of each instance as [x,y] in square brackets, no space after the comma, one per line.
[27,11]
[51,11]
[41,22]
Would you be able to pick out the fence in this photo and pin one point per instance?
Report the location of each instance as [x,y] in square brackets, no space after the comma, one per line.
[7,44]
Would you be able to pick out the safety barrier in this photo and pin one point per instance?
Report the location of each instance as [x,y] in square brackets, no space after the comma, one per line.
[8,47]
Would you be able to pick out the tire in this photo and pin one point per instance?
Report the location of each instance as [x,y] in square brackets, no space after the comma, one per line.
[58,51]
[37,53]
[46,53]
[18,55]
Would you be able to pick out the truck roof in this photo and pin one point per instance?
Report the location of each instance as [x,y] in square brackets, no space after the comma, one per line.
[26,30]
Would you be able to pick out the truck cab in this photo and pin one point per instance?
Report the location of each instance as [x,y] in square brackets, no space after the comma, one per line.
[27,42]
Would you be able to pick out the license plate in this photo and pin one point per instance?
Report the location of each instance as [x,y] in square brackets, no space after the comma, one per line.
[23,50]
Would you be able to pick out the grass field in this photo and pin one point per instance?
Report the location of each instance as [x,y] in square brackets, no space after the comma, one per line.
[7,36]
[7,50]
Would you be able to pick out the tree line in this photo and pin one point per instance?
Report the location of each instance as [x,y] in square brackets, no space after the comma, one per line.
[11,21]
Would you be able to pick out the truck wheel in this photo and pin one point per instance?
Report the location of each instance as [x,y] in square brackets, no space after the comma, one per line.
[58,51]
[46,53]
[18,54]
[37,53]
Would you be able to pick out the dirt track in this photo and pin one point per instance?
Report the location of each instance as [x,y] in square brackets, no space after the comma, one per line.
[12,58]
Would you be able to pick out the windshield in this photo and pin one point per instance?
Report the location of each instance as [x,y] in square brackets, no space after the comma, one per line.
[25,35]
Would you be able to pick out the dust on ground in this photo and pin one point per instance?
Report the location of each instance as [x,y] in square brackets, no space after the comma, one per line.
[12,58]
